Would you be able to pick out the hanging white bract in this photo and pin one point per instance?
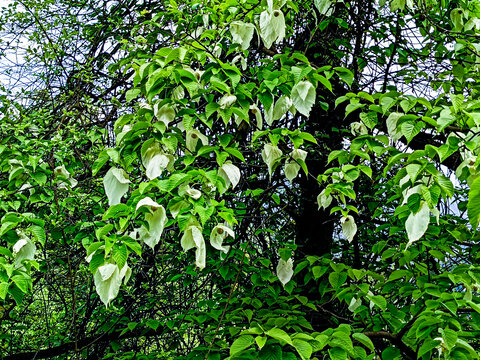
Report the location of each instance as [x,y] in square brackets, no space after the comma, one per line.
[115,183]
[291,166]
[285,271]
[219,233]
[242,33]
[303,97]
[193,238]
[156,219]
[230,173]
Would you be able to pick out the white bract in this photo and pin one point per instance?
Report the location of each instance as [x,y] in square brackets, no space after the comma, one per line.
[23,249]
[192,139]
[62,174]
[417,223]
[303,97]
[270,155]
[358,128]
[283,104]
[349,228]
[258,115]
[242,33]
[325,7]
[193,238]
[155,161]
[193,193]
[108,279]
[291,166]
[392,127]
[219,233]
[165,114]
[227,101]
[116,185]
[243,62]
[285,271]
[156,219]
[230,173]
[272,26]
[324,200]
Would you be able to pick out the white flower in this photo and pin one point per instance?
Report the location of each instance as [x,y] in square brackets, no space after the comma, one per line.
[193,238]
[165,114]
[270,155]
[242,33]
[285,271]
[62,174]
[23,249]
[156,219]
[192,139]
[291,166]
[230,173]
[272,27]
[219,233]
[155,161]
[349,228]
[108,279]
[227,101]
[116,185]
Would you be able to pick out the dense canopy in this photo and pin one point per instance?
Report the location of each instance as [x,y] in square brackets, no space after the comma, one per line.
[240,179]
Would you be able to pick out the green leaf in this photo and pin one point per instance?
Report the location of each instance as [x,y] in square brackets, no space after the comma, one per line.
[427,346]
[104,230]
[345,74]
[119,254]
[115,211]
[364,340]
[241,343]
[279,334]
[269,352]
[235,152]
[450,337]
[337,279]
[410,129]
[303,348]
[39,233]
[23,282]
[132,94]
[473,206]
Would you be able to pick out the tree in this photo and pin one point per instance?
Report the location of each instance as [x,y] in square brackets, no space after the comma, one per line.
[240,179]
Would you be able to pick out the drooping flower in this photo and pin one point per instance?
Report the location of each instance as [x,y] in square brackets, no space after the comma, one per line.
[230,173]
[116,185]
[156,219]
[291,166]
[155,160]
[219,233]
[192,139]
[285,270]
[193,238]
[270,155]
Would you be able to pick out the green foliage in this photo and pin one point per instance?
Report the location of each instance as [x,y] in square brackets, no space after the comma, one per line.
[241,180]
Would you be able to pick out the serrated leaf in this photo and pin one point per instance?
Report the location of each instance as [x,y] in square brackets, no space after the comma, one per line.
[473,205]
[241,343]
[279,334]
[39,234]
[303,348]
[364,340]
[115,211]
